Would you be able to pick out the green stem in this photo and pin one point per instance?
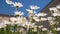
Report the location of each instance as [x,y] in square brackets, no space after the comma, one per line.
[17,8]
[9,11]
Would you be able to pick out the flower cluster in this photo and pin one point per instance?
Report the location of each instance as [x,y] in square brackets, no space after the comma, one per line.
[31,24]
[15,4]
[54,20]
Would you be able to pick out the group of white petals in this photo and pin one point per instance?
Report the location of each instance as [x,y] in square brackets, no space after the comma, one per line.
[23,21]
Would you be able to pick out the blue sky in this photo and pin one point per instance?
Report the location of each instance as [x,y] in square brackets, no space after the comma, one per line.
[26,5]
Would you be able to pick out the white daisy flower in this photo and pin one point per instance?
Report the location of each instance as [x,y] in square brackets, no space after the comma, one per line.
[23,20]
[29,11]
[56,14]
[54,9]
[54,29]
[52,23]
[58,6]
[19,13]
[43,19]
[2,25]
[36,18]
[58,29]
[34,7]
[6,22]
[9,2]
[50,32]
[41,14]
[34,30]
[44,29]
[40,26]
[13,19]
[17,4]
[34,26]
[50,18]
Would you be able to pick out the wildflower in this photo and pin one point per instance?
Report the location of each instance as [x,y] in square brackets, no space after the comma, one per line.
[9,2]
[17,4]
[19,13]
[13,19]
[2,25]
[36,18]
[44,29]
[54,9]
[40,26]
[34,26]
[58,6]
[34,7]
[43,19]
[58,29]
[50,19]
[52,23]
[6,22]
[56,14]
[21,30]
[29,11]
[23,20]
[41,14]
[54,29]
[34,30]
[49,32]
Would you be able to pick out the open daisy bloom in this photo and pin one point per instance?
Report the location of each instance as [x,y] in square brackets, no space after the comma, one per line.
[29,11]
[34,7]
[41,14]
[58,6]
[34,22]
[18,13]
[23,20]
[54,10]
[44,29]
[17,5]
[9,2]
[56,14]
[13,19]
[43,19]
